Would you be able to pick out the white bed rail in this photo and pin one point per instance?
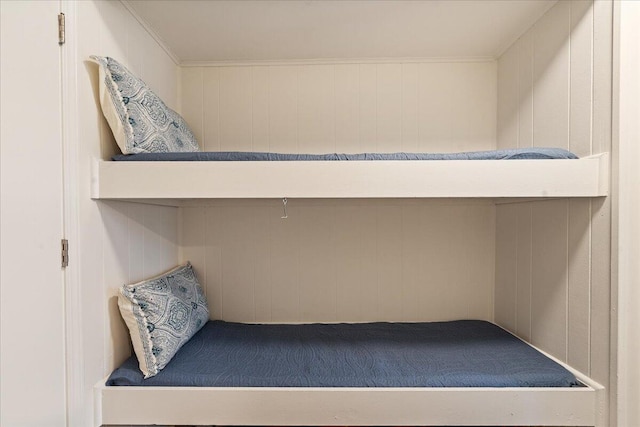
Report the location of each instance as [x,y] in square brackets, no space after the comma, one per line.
[586,177]
[577,406]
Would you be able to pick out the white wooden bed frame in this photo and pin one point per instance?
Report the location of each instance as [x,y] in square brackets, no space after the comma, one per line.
[478,406]
[172,181]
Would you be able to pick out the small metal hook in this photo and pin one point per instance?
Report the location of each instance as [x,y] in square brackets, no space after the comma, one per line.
[284,208]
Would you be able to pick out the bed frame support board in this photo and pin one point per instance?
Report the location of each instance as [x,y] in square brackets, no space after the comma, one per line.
[586,177]
[348,406]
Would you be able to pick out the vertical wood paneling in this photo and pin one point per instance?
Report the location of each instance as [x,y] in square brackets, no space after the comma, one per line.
[283,109]
[192,105]
[385,107]
[368,104]
[474,106]
[369,265]
[317,285]
[348,258]
[316,110]
[136,215]
[136,49]
[116,273]
[260,101]
[192,240]
[236,110]
[481,232]
[411,258]
[117,242]
[261,267]
[213,263]
[211,126]
[140,241]
[237,264]
[549,277]
[525,90]
[284,262]
[113,34]
[435,107]
[439,277]
[508,101]
[389,108]
[348,261]
[389,262]
[565,68]
[410,107]
[602,75]
[551,77]
[579,284]
[506,266]
[457,274]
[523,276]
[581,77]
[347,108]
[160,239]
[600,289]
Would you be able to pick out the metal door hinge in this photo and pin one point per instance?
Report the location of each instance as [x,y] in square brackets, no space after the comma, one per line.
[65,253]
[61,30]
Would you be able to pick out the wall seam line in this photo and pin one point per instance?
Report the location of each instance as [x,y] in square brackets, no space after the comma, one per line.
[531,272]
[202,93]
[568,281]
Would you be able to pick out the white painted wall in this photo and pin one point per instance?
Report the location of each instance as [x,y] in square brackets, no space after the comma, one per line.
[343,260]
[117,242]
[342,107]
[553,282]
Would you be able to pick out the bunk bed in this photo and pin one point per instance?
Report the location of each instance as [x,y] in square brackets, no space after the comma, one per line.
[247,400]
[178,179]
[245,403]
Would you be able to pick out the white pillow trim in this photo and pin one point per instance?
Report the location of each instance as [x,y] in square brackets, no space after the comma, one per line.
[138,335]
[110,110]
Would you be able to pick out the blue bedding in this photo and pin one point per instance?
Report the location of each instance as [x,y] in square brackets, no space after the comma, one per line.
[465,353]
[220,156]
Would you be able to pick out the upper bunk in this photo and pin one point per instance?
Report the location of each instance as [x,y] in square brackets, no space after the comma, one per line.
[440,97]
[499,178]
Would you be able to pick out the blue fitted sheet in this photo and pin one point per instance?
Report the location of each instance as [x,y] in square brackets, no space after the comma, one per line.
[465,353]
[218,156]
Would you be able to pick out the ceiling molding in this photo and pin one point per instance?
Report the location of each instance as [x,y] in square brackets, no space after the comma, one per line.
[147,27]
[335,61]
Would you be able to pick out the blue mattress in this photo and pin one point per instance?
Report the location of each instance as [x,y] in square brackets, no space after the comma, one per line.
[220,156]
[465,353]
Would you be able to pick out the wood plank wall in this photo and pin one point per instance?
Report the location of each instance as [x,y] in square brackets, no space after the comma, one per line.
[118,242]
[553,257]
[346,107]
[343,260]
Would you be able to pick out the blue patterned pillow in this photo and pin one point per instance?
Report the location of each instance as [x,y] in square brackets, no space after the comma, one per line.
[140,121]
[162,314]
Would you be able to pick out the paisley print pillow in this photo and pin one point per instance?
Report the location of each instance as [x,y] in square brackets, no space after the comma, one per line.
[162,314]
[140,121]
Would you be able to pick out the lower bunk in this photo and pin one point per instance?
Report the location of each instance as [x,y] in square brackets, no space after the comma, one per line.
[439,373]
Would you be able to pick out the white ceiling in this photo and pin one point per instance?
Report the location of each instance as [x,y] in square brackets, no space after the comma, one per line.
[337,29]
